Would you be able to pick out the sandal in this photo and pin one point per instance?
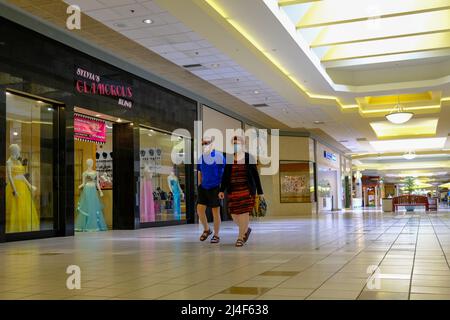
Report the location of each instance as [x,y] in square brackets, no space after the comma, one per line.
[205,235]
[215,239]
[247,234]
[239,243]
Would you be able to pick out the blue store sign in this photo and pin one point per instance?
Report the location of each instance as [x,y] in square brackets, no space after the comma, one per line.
[329,156]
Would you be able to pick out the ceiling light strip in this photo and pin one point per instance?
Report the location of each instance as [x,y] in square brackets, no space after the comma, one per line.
[273,60]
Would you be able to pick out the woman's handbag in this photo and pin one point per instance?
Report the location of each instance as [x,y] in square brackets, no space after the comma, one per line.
[262,207]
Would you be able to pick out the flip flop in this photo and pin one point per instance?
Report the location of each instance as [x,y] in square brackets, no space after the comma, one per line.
[205,235]
[247,234]
[215,239]
[239,243]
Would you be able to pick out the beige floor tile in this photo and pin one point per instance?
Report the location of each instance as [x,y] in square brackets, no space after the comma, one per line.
[431,290]
[13,295]
[152,292]
[390,285]
[282,297]
[223,296]
[334,294]
[289,292]
[430,283]
[87,298]
[421,296]
[381,295]
[45,297]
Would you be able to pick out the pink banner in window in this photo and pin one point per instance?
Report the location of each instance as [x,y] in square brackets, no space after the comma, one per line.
[89,129]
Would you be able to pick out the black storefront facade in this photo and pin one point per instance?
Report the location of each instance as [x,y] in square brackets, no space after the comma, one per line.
[44,86]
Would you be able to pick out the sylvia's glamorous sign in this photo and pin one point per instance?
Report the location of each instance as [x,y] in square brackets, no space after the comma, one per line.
[89,83]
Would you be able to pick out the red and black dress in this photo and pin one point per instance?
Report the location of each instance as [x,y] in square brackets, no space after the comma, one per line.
[240,200]
[242,183]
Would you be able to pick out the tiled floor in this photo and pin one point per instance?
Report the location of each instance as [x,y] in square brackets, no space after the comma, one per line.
[330,256]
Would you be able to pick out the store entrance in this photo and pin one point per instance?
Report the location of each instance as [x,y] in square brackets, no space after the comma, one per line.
[93,173]
[327,188]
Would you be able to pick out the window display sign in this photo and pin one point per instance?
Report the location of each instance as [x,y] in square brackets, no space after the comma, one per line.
[151,157]
[104,166]
[89,129]
[296,181]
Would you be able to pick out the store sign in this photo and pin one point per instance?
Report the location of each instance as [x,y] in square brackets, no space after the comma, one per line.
[90,83]
[89,129]
[330,156]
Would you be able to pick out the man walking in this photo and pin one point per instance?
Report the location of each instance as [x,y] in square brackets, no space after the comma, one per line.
[210,170]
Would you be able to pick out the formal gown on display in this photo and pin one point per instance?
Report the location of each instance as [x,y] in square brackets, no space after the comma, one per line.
[176,190]
[90,209]
[21,213]
[147,202]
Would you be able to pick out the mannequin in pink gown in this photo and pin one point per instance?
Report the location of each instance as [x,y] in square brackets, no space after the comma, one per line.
[146,201]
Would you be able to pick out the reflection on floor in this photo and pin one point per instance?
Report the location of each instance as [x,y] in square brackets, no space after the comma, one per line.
[326,257]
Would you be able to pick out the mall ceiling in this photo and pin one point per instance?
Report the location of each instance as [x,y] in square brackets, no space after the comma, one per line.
[331,67]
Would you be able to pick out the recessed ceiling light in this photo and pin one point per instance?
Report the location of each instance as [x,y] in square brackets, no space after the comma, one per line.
[98,115]
[318,122]
[256,92]
[119,120]
[15,133]
[147,21]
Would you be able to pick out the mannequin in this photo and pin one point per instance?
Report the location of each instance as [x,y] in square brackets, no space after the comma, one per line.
[21,213]
[175,188]
[90,209]
[147,202]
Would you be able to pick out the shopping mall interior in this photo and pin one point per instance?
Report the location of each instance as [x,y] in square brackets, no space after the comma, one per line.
[105,106]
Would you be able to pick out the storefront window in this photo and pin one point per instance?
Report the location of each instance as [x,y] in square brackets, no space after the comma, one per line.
[162,183]
[30,163]
[296,181]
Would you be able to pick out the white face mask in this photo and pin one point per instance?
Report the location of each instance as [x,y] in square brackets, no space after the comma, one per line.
[207,149]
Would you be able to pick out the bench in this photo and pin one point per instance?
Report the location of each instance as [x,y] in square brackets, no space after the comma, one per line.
[410,200]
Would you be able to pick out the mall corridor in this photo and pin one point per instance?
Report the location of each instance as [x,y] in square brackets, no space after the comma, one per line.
[330,256]
[127,125]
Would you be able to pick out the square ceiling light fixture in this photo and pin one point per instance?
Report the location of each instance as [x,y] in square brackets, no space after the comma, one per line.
[408,144]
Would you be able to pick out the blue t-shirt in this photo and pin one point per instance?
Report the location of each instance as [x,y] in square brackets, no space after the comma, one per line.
[212,167]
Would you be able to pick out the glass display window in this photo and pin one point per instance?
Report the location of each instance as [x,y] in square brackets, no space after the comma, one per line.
[162,182]
[30,139]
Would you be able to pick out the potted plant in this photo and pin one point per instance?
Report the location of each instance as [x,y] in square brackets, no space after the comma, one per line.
[410,184]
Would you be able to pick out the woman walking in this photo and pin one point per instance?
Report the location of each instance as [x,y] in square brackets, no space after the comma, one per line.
[241,181]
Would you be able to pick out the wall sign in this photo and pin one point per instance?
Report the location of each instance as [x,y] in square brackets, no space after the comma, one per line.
[90,83]
[329,156]
[89,129]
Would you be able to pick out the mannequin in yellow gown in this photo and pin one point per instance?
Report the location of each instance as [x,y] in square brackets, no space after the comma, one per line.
[21,213]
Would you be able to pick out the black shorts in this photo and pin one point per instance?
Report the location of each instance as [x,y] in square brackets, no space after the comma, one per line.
[209,197]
